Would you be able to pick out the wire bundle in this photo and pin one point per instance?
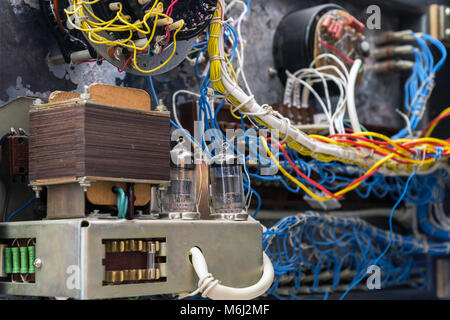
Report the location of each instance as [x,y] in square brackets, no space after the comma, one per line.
[83,19]
[323,253]
[420,84]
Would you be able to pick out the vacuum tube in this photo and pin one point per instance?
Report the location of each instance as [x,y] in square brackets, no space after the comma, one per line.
[181,195]
[227,189]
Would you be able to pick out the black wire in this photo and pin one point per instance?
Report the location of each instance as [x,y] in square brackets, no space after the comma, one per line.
[6,202]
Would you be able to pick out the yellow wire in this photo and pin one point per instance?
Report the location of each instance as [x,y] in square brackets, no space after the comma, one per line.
[306,189]
[120,24]
[431,129]
[165,62]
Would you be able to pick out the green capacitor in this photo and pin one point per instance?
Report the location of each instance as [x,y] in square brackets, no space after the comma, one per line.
[23,260]
[31,256]
[15,260]
[7,259]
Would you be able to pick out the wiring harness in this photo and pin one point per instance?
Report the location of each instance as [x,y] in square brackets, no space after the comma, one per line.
[323,254]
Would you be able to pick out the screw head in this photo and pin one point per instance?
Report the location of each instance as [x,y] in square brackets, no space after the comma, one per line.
[272,72]
[37,263]
[447,11]
[447,32]
[37,102]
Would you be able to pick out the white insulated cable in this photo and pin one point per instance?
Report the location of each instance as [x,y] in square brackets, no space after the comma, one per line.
[211,288]
[351,105]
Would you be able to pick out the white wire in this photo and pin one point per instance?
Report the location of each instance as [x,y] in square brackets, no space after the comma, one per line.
[351,104]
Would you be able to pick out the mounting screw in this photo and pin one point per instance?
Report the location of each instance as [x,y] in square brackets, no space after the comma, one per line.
[161,107]
[272,72]
[447,11]
[447,32]
[37,102]
[37,190]
[37,263]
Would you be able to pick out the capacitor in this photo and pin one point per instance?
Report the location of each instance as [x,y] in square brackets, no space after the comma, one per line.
[227,188]
[327,22]
[180,201]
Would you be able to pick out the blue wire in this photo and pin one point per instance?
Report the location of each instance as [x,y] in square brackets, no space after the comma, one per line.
[391,234]
[20,209]
[155,96]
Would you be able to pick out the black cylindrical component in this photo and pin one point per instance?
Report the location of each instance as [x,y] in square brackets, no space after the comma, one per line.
[293,45]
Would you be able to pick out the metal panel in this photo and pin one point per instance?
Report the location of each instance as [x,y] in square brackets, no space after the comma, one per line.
[65,201]
[233,251]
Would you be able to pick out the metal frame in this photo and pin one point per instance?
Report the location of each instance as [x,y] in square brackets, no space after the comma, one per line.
[233,251]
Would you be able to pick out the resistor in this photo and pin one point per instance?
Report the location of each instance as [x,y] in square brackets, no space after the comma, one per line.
[391,66]
[390,36]
[327,22]
[31,257]
[7,259]
[332,27]
[355,24]
[15,260]
[23,260]
[391,51]
[339,31]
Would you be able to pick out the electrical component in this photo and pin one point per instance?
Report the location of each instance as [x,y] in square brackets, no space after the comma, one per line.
[18,258]
[180,200]
[304,35]
[15,155]
[439,20]
[227,189]
[140,37]
[133,261]
[96,150]
[118,259]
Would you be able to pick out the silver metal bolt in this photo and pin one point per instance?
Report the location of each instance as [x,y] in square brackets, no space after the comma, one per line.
[37,102]
[447,11]
[37,190]
[37,263]
[447,31]
[272,72]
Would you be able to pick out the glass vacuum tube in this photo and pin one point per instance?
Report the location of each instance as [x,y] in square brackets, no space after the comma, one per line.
[227,189]
[181,196]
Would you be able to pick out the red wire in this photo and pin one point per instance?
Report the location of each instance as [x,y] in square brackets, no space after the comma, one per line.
[329,46]
[436,120]
[91,60]
[221,9]
[169,13]
[381,143]
[376,151]
[314,183]
[57,16]
[127,62]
